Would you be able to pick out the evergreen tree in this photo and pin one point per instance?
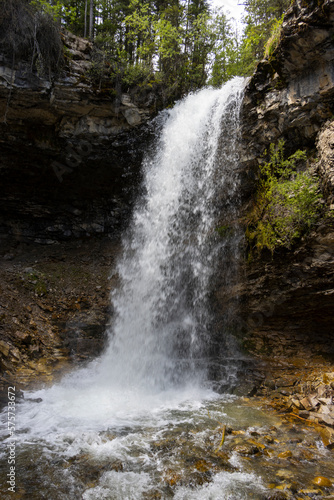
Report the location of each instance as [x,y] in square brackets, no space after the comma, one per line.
[260,18]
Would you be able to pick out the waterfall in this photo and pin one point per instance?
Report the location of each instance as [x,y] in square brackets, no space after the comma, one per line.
[172,251]
[161,336]
[144,419]
[146,409]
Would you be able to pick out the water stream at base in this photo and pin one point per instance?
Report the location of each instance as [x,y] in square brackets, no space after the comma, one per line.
[142,421]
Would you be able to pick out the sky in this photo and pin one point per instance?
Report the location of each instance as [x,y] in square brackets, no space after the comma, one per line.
[234,7]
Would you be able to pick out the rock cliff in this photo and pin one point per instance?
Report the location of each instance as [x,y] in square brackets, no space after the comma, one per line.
[290,96]
[287,300]
[70,151]
[70,157]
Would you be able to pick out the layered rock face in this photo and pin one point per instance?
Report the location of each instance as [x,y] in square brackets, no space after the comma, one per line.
[290,96]
[70,154]
[287,300]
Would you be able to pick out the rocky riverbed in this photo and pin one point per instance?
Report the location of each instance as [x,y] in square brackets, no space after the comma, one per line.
[54,307]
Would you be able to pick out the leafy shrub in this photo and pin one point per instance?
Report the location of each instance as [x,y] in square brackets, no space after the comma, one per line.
[287,202]
[135,74]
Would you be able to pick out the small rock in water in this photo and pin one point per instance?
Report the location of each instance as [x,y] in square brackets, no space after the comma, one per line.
[34,400]
[285,454]
[286,474]
[278,495]
[327,436]
[246,449]
[322,481]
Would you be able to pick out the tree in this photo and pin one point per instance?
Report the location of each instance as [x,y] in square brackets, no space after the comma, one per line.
[260,18]
[29,33]
[226,57]
[91,19]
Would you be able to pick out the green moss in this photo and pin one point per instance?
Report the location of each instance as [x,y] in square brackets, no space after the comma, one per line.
[287,202]
[224,230]
[274,38]
[37,282]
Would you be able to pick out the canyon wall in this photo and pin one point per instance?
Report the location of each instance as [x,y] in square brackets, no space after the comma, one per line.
[287,299]
[70,151]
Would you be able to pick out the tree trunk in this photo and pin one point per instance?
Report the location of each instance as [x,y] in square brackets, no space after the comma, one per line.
[85,28]
[91,19]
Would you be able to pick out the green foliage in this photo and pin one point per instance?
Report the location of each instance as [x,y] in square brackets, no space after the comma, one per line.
[226,62]
[224,230]
[262,21]
[287,202]
[274,38]
[57,10]
[167,43]
[137,74]
[183,45]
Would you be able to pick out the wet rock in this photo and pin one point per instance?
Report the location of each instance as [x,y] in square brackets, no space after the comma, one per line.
[32,346]
[4,348]
[34,400]
[285,474]
[117,466]
[306,404]
[70,154]
[23,336]
[132,116]
[172,478]
[285,454]
[322,481]
[203,466]
[304,413]
[287,299]
[326,418]
[310,491]
[306,455]
[278,495]
[152,495]
[9,256]
[291,101]
[327,436]
[246,449]
[326,161]
[198,479]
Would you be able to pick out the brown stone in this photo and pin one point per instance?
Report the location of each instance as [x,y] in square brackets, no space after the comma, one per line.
[285,454]
[305,402]
[322,481]
[325,418]
[246,449]
[4,348]
[327,436]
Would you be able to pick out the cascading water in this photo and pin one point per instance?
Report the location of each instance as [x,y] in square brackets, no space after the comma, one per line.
[170,256]
[150,379]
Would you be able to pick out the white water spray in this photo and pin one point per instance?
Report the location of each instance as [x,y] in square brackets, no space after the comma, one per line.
[162,316]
